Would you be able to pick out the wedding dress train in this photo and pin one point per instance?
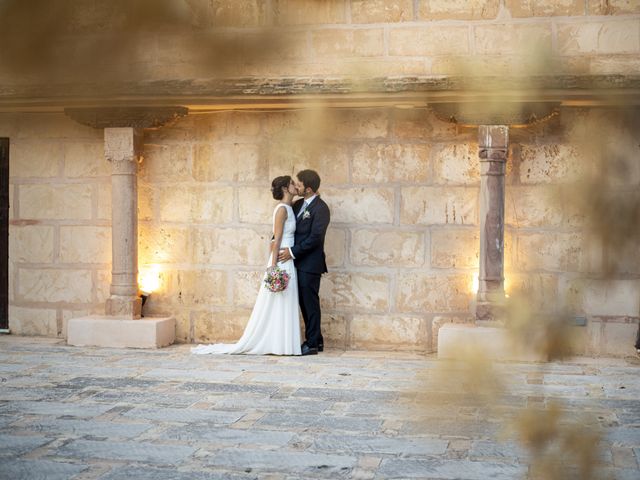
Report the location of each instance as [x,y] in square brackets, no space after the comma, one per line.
[274,325]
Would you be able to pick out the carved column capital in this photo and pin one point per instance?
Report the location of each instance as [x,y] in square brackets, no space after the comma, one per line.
[134,117]
[123,148]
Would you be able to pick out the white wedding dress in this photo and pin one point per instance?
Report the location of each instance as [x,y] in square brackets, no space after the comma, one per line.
[274,326]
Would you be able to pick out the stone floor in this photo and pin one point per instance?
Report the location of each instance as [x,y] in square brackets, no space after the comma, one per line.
[88,413]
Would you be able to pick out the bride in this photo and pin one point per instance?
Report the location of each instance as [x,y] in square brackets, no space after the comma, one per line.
[274,326]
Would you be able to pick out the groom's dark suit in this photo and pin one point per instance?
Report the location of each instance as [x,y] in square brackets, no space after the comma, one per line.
[309,258]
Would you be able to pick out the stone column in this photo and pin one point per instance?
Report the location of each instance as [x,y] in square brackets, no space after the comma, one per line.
[493,142]
[123,149]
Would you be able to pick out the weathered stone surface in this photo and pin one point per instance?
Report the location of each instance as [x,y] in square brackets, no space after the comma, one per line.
[246,285]
[422,125]
[229,162]
[35,159]
[455,248]
[435,40]
[360,205]
[615,340]
[605,38]
[334,330]
[549,251]
[613,7]
[534,206]
[335,246]
[85,160]
[96,429]
[166,163]
[289,156]
[379,11]
[329,465]
[458,9]
[450,470]
[511,39]
[252,13]
[229,436]
[295,12]
[55,201]
[456,164]
[550,163]
[387,248]
[355,290]
[54,285]
[170,473]
[347,43]
[194,287]
[85,244]
[32,321]
[539,290]
[544,8]
[41,469]
[212,327]
[256,205]
[390,163]
[380,445]
[605,297]
[157,244]
[132,451]
[438,205]
[31,243]
[422,292]
[231,246]
[67,409]
[146,200]
[196,204]
[103,193]
[325,422]
[352,124]
[396,332]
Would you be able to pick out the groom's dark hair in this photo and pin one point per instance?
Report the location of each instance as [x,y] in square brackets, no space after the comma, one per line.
[309,178]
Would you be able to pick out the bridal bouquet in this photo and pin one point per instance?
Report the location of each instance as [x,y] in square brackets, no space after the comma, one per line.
[276,279]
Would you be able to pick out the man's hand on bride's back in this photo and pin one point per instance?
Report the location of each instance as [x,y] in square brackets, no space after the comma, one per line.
[284,255]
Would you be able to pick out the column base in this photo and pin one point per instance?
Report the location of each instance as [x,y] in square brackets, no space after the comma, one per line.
[124,306]
[118,332]
[453,339]
[488,311]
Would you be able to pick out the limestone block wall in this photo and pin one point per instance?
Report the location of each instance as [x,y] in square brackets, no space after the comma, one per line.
[348,37]
[60,228]
[402,247]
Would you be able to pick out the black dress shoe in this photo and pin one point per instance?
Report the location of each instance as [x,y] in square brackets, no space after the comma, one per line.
[321,347]
[307,350]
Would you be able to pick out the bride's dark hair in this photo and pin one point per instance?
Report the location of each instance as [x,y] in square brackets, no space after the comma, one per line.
[278,184]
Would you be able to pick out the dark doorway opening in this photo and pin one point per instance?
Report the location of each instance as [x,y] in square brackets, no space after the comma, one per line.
[4,235]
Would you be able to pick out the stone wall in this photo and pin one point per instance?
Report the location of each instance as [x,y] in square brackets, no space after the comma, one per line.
[402,246]
[346,37]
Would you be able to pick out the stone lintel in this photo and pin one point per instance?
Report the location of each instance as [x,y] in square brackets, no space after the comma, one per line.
[118,117]
[496,111]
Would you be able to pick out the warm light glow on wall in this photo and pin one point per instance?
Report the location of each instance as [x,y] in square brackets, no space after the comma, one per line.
[475,283]
[149,278]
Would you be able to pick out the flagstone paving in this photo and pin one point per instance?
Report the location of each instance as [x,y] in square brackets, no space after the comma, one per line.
[111,414]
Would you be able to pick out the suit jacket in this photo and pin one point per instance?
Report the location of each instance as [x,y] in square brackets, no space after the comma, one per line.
[311,229]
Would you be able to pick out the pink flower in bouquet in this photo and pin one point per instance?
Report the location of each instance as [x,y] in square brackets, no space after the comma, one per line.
[276,279]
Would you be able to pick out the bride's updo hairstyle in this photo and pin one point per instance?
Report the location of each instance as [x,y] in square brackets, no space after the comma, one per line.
[278,184]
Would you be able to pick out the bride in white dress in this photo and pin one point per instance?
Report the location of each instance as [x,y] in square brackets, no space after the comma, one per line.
[274,326]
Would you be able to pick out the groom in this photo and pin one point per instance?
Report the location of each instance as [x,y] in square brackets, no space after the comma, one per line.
[312,220]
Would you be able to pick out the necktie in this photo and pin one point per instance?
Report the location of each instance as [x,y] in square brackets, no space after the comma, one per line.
[302,209]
